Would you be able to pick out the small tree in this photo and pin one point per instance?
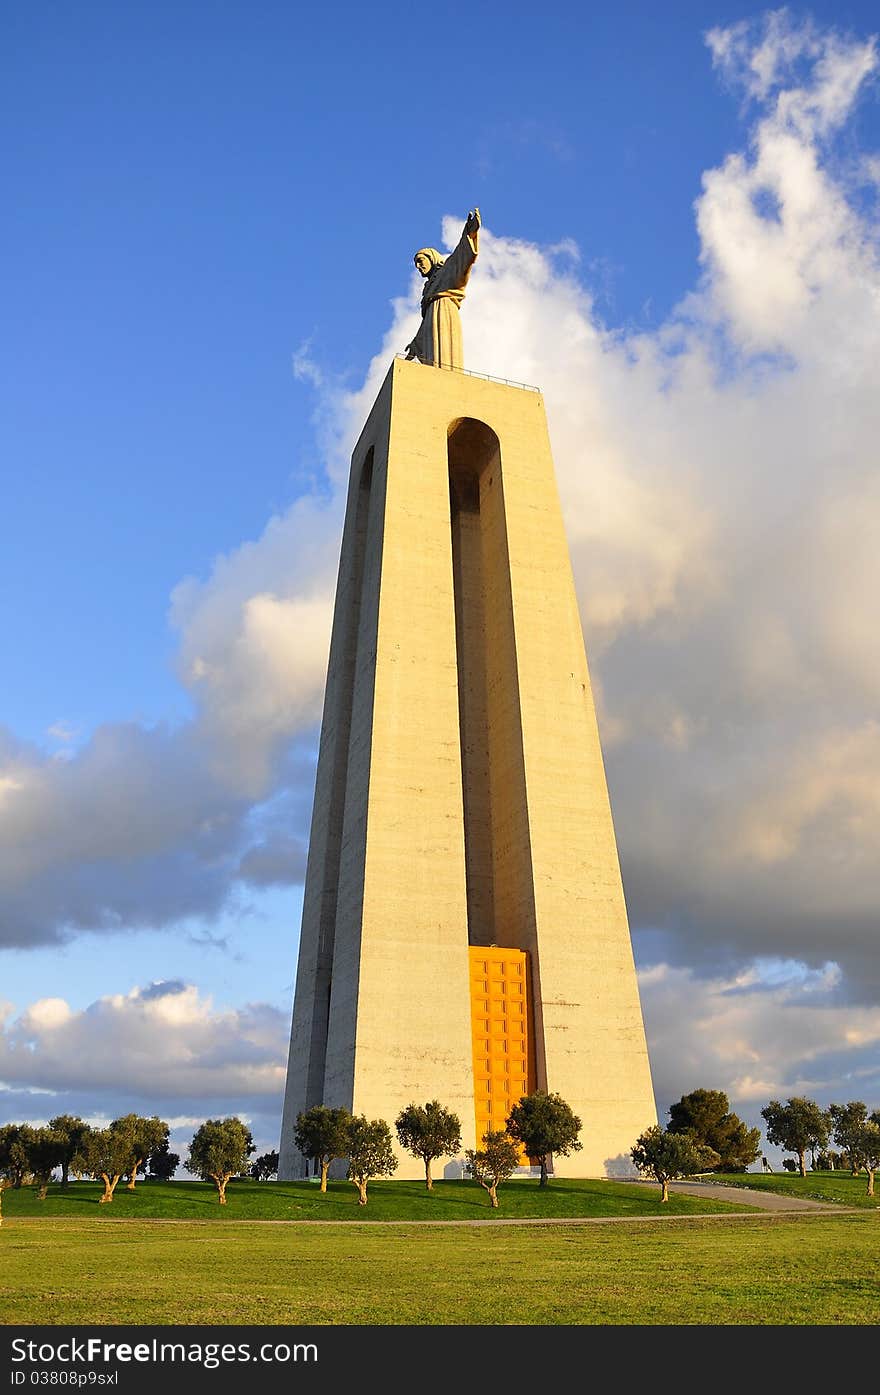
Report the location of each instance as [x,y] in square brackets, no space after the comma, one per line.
[796,1126]
[869,1148]
[143,1135]
[45,1151]
[428,1132]
[544,1124]
[370,1153]
[105,1155]
[73,1131]
[847,1122]
[13,1159]
[264,1167]
[163,1164]
[219,1150]
[492,1164]
[705,1116]
[322,1134]
[15,1140]
[830,1161]
[664,1155]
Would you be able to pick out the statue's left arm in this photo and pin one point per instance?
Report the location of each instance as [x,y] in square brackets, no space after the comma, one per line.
[472,230]
[457,267]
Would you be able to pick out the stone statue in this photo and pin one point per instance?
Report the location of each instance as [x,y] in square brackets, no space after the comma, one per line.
[439,338]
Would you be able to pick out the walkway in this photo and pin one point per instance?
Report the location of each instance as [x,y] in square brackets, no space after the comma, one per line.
[750,1196]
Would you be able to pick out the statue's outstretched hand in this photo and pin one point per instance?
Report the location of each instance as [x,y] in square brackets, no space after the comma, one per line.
[473,222]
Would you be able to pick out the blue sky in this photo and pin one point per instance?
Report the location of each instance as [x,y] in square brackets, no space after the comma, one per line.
[208,228]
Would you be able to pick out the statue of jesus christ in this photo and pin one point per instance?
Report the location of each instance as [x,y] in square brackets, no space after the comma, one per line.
[438,340]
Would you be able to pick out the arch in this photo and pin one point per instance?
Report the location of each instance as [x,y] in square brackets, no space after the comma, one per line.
[500,893]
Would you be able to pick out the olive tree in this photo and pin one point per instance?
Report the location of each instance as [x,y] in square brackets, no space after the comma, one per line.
[370,1152]
[144,1137]
[73,1131]
[492,1164]
[322,1134]
[104,1155]
[664,1155]
[13,1157]
[15,1139]
[220,1149]
[544,1124]
[847,1122]
[869,1148]
[45,1150]
[796,1126]
[428,1131]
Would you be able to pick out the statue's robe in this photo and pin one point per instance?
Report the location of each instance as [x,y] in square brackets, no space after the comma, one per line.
[439,338]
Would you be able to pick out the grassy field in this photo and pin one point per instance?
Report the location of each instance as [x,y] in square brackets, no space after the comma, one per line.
[64,1261]
[302,1201]
[754,1269]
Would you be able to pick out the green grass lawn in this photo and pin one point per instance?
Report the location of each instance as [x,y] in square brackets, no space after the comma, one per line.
[389,1200]
[753,1269]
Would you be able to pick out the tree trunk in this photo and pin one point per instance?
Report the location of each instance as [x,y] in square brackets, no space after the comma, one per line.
[543,1181]
[131,1181]
[44,1187]
[220,1183]
[802,1158]
[65,1172]
[361,1185]
[109,1186]
[870,1172]
[325,1167]
[665,1193]
[429,1181]
[3,1185]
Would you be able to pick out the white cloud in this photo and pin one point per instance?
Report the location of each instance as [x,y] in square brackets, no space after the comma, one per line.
[152,1046]
[771,1030]
[62,731]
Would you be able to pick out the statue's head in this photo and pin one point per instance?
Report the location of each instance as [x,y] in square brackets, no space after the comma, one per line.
[427,259]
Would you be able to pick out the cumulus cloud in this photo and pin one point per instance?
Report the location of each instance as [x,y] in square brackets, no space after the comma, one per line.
[772,1029]
[721,493]
[159,1047]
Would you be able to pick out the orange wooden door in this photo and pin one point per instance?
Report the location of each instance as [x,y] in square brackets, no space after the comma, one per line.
[503,1036]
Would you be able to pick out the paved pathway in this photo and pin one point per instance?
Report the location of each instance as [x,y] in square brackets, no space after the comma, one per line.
[750,1196]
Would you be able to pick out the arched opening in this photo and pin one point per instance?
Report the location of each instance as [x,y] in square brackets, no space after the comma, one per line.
[500,894]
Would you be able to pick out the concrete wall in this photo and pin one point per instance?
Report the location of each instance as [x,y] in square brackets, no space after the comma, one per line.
[457,642]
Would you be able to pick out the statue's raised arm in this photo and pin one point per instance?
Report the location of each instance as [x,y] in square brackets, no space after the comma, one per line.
[438,340]
[472,229]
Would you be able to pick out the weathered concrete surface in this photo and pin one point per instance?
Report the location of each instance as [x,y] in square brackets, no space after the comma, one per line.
[457,641]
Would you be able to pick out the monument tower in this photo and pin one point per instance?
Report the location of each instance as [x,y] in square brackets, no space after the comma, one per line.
[464,933]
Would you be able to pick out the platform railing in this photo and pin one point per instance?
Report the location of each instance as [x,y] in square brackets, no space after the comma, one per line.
[472,373]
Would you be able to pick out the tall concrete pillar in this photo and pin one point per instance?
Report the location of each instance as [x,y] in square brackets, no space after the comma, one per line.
[461,800]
